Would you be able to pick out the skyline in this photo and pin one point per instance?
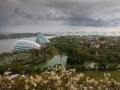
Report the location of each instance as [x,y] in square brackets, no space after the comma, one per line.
[59,15]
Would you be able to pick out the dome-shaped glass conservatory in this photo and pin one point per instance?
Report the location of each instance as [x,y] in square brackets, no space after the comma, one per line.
[41,39]
[21,45]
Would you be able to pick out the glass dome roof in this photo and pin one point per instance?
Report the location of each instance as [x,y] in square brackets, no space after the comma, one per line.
[21,45]
[41,39]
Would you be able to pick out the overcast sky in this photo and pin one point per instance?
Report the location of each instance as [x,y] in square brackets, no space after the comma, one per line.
[59,15]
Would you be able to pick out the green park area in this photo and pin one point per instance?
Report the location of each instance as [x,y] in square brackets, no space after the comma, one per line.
[101,51]
[100,75]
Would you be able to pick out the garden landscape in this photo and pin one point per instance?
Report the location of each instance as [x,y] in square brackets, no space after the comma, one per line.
[59,44]
[19,69]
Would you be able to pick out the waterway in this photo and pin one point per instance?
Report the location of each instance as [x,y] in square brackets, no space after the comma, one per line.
[60,59]
[57,59]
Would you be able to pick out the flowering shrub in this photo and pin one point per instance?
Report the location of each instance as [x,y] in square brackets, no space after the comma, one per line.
[57,79]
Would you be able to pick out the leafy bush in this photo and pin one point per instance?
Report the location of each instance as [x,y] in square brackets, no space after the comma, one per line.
[57,79]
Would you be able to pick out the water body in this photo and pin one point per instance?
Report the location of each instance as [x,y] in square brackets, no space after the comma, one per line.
[60,59]
[88,33]
[57,59]
[6,44]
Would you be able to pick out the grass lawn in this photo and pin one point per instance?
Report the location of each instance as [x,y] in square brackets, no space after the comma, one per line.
[100,75]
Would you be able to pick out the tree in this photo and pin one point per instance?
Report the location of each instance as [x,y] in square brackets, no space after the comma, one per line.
[102,38]
[102,66]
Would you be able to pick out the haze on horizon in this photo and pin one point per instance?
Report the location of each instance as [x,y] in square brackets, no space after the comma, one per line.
[59,15]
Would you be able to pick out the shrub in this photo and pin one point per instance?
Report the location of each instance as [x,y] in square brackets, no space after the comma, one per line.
[57,79]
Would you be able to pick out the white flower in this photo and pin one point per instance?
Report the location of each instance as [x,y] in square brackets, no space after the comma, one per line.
[99,87]
[53,73]
[12,82]
[33,83]
[108,75]
[27,87]
[106,89]
[85,88]
[91,88]
[7,73]
[9,69]
[27,80]
[118,84]
[38,79]
[31,78]
[55,78]
[101,80]
[9,78]
[9,87]
[72,87]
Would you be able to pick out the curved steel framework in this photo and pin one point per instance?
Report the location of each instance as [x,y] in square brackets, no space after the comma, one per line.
[21,45]
[41,39]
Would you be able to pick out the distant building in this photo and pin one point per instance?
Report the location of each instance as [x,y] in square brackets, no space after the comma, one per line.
[114,41]
[95,45]
[112,45]
[89,39]
[21,45]
[41,39]
[103,44]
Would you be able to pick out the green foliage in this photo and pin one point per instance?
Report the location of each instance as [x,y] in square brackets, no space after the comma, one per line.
[78,52]
[19,65]
[61,79]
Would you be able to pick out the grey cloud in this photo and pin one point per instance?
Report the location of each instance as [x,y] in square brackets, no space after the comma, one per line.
[94,13]
[82,13]
[23,14]
[40,17]
[86,21]
[24,1]
[16,11]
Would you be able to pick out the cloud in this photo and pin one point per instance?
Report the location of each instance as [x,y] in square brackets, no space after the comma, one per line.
[89,13]
[23,14]
[82,13]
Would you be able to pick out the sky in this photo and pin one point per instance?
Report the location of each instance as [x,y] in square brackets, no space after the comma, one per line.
[59,15]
